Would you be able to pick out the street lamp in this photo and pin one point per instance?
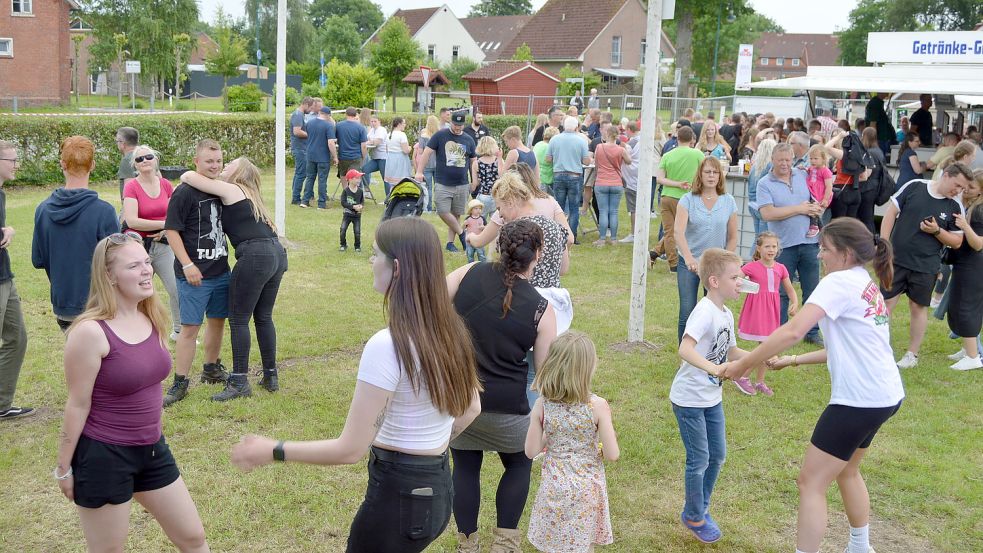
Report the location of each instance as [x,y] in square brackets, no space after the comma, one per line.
[730,19]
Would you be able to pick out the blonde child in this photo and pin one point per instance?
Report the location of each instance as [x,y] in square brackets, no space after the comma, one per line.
[820,181]
[696,393]
[485,171]
[570,514]
[474,224]
[761,313]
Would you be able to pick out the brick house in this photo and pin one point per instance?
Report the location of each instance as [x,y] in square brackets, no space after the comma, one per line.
[605,36]
[35,51]
[785,55]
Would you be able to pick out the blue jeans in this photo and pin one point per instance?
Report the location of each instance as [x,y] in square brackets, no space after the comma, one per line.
[760,225]
[428,178]
[371,166]
[488,202]
[568,190]
[688,284]
[533,395]
[608,202]
[300,173]
[703,431]
[473,252]
[320,170]
[801,260]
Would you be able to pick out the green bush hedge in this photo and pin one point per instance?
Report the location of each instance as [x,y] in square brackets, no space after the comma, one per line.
[247,97]
[174,136]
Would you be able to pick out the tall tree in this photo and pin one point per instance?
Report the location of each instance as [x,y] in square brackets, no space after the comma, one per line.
[366,15]
[182,49]
[229,54]
[395,54]
[337,38]
[300,32]
[501,7]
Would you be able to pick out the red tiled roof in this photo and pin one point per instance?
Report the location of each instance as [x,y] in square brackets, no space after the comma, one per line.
[499,69]
[563,29]
[814,49]
[491,33]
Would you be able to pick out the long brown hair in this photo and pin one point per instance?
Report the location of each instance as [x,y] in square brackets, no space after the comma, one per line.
[248,177]
[518,244]
[847,234]
[426,330]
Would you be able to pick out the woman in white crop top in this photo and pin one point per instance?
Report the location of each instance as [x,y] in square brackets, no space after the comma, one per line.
[396,414]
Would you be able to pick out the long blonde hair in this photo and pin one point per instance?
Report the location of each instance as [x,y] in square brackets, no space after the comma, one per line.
[762,155]
[702,143]
[511,188]
[978,202]
[433,125]
[962,151]
[569,368]
[102,305]
[247,176]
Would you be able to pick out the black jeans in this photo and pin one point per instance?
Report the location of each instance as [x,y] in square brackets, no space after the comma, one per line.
[393,518]
[510,498]
[868,195]
[846,202]
[255,282]
[348,219]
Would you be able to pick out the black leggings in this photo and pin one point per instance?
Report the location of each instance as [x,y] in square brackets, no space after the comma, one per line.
[846,203]
[510,500]
[865,212]
[255,282]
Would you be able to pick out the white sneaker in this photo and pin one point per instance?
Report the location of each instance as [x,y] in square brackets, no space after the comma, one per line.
[653,215]
[174,336]
[869,550]
[967,364]
[627,239]
[958,355]
[935,302]
[908,361]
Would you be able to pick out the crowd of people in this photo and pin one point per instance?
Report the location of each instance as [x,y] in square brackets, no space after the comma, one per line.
[484,359]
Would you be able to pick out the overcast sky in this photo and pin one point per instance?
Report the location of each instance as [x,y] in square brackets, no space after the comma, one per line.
[834,14]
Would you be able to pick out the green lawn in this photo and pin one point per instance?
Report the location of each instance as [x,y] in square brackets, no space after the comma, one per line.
[923,471]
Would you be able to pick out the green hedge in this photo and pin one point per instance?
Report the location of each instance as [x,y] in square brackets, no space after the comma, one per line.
[174,136]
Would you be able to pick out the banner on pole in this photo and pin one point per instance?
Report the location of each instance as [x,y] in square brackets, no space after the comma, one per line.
[745,61]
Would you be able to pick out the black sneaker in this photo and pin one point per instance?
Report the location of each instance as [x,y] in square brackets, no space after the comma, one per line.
[177,392]
[451,247]
[17,412]
[214,373]
[236,386]
[464,240]
[270,381]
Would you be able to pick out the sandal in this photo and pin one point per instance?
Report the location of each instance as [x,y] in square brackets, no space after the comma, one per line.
[709,532]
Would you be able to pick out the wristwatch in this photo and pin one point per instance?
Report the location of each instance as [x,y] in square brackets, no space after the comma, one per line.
[278,452]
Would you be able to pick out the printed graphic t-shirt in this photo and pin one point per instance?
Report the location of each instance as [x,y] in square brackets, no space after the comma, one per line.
[198,217]
[713,330]
[921,251]
[452,151]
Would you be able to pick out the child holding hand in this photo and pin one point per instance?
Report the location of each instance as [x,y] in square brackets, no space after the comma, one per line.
[570,514]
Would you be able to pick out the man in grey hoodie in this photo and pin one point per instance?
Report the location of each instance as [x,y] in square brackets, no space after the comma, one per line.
[67,227]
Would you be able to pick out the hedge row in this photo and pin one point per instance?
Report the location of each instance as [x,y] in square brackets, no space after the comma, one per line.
[174,136]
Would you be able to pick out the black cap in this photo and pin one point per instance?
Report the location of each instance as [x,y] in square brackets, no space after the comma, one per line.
[326,109]
[458,117]
[683,122]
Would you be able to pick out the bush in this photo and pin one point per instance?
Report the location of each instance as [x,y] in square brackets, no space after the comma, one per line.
[173,135]
[247,97]
[309,72]
[348,85]
[292,96]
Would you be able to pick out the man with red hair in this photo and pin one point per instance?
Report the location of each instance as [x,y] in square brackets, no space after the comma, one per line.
[67,227]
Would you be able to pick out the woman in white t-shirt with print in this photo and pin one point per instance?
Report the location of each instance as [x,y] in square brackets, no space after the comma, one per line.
[404,418]
[866,385]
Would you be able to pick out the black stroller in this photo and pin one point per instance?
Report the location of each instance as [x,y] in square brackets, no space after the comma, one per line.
[405,200]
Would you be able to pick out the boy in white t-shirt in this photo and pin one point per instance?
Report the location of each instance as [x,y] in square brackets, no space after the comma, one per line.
[708,342]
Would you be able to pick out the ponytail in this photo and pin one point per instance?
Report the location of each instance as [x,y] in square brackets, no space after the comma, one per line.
[884,262]
[847,234]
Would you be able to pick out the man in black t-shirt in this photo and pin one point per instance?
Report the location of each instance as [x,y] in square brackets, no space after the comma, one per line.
[477,129]
[454,150]
[201,265]
[919,221]
[921,121]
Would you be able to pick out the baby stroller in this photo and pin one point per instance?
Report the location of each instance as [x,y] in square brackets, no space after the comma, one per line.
[405,200]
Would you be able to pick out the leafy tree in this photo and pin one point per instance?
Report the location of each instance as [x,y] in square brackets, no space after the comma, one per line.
[338,38]
[366,15]
[350,85]
[591,80]
[395,54]
[457,69]
[229,54]
[300,32]
[523,53]
[309,72]
[501,7]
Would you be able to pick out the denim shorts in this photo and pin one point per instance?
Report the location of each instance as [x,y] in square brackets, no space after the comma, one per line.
[211,298]
[108,473]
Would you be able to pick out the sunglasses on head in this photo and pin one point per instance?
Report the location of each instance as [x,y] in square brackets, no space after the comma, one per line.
[141,159]
[120,238]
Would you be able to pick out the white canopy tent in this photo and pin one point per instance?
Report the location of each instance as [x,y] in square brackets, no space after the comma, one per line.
[897,78]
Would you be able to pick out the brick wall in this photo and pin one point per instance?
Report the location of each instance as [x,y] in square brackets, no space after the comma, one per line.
[40,69]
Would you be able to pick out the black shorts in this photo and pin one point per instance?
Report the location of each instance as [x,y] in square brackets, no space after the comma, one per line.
[841,430]
[918,286]
[108,473]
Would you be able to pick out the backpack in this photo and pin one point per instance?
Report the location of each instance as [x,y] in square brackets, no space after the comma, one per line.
[855,157]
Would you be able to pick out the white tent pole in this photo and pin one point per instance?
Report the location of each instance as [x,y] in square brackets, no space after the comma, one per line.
[640,253]
[281,128]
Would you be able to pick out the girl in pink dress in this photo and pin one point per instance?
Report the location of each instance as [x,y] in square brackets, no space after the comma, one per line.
[761,313]
[570,514]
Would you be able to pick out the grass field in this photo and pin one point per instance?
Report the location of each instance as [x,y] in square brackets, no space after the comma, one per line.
[923,471]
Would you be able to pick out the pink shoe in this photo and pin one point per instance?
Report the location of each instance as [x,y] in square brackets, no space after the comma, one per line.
[764,389]
[812,232]
[745,386]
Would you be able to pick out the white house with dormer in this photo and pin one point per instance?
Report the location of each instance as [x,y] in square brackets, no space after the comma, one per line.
[439,33]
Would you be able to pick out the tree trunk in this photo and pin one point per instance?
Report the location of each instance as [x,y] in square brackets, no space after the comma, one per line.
[394,97]
[119,85]
[225,93]
[684,47]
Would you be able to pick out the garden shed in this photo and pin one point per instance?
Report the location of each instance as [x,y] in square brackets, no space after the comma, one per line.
[512,87]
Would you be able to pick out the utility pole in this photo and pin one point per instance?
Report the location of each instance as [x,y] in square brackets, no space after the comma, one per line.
[281,124]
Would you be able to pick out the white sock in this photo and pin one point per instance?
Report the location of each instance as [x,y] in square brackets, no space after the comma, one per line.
[859,539]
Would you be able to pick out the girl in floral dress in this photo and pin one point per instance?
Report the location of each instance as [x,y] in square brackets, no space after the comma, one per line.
[570,514]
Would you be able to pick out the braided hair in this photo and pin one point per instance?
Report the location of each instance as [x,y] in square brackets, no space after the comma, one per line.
[518,244]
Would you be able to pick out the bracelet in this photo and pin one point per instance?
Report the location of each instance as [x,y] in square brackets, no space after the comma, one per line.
[278,454]
[795,360]
[65,476]
[937,232]
[188,266]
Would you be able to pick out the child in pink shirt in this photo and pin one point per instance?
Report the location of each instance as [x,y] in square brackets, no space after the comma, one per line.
[820,181]
[474,224]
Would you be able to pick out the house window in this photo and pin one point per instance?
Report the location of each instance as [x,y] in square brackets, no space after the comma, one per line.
[22,7]
[779,61]
[764,61]
[431,48]
[616,51]
[795,62]
[6,47]
[455,52]
[644,48]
